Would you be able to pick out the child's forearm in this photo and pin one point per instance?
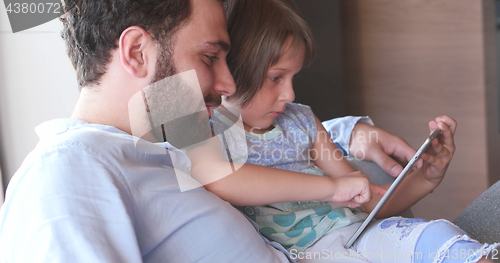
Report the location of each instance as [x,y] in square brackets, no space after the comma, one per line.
[259,185]
[326,156]
[252,184]
[413,188]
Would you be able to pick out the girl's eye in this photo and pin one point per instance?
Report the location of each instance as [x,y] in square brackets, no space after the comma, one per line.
[275,78]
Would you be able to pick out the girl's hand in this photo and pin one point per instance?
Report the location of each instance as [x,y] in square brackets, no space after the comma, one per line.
[438,157]
[353,190]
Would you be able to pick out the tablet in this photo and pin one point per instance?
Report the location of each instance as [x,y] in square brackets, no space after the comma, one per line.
[405,171]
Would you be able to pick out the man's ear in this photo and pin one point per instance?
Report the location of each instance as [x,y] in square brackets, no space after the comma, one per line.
[137,50]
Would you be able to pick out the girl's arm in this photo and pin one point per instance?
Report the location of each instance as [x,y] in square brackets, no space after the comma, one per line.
[245,184]
[424,180]
[414,187]
[326,155]
[329,158]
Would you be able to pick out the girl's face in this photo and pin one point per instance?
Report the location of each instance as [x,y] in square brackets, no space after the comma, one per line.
[276,91]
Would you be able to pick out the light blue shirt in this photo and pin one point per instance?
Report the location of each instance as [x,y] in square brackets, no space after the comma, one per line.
[340,129]
[86,194]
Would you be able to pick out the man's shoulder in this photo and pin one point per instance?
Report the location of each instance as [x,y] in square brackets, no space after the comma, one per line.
[65,188]
[69,151]
[64,131]
[63,137]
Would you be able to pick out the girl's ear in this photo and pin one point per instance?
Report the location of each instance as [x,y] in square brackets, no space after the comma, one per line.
[137,51]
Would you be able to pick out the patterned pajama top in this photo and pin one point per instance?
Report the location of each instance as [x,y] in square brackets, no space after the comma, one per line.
[295,225]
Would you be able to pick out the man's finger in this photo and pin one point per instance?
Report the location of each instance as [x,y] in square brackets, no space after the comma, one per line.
[403,151]
[385,162]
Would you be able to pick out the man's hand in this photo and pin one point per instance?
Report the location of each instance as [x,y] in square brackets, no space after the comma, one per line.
[370,143]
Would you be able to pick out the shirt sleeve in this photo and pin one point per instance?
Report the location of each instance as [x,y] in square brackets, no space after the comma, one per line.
[67,207]
[340,129]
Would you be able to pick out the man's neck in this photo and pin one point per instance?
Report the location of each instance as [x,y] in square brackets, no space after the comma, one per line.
[95,106]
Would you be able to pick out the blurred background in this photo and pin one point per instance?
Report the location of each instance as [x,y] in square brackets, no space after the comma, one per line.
[37,83]
[403,63]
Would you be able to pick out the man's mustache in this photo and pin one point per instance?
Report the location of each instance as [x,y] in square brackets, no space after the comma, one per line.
[213,99]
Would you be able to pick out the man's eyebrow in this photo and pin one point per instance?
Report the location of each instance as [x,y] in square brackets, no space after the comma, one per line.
[220,44]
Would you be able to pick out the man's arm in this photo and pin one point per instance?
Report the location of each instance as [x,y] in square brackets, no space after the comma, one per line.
[358,137]
[370,143]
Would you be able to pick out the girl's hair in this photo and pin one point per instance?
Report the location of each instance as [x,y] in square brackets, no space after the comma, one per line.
[258,30]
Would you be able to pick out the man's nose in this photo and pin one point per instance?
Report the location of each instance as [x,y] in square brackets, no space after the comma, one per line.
[224,82]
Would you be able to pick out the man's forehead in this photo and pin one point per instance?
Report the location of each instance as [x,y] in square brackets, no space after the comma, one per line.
[206,27]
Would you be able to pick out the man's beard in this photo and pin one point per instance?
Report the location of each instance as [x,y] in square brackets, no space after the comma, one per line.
[165,67]
[164,63]
[175,102]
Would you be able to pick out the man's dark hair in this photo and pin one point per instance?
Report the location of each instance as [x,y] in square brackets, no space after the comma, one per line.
[92,28]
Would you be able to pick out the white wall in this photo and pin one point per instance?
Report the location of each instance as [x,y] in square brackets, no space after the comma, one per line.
[37,83]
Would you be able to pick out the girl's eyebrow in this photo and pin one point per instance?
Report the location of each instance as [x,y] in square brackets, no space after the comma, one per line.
[285,70]
[280,69]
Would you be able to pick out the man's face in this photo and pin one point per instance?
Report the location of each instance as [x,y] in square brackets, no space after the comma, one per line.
[202,44]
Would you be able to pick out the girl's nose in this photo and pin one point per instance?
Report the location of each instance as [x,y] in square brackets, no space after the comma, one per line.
[288,95]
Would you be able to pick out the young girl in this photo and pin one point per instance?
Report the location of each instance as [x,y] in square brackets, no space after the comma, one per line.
[318,212]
